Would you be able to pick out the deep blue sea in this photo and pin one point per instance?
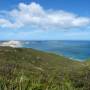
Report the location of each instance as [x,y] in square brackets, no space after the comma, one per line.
[78,50]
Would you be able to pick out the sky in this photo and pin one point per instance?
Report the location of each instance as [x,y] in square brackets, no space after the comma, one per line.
[44,20]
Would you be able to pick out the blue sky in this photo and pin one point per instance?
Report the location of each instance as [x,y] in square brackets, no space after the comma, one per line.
[44,20]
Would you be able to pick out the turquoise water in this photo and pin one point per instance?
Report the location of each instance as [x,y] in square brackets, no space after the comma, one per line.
[78,50]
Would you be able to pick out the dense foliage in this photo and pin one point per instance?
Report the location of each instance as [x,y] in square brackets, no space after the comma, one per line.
[28,69]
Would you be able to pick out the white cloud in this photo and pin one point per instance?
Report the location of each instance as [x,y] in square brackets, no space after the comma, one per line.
[4,22]
[35,15]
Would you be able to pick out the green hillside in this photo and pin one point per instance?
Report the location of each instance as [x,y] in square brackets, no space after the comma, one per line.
[29,69]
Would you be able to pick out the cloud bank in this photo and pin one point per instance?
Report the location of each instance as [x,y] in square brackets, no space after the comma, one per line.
[35,15]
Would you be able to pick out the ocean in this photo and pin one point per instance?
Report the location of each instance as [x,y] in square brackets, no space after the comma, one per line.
[77,50]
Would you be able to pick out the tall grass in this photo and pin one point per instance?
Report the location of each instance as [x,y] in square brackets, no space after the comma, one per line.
[28,69]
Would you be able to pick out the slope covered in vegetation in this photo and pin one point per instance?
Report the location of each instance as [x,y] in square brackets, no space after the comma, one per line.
[28,69]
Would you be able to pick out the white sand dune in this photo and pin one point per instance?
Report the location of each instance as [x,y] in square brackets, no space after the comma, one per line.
[11,43]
